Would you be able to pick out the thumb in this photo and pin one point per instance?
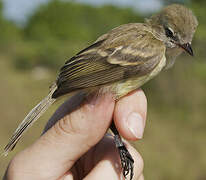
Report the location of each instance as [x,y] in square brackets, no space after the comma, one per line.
[55,152]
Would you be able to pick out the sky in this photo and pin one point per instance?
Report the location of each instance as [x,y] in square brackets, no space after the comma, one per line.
[19,10]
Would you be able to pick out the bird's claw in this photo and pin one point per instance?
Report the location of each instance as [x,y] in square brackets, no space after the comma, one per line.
[127,162]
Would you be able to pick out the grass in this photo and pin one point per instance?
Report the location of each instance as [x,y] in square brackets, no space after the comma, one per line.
[20,91]
[174,142]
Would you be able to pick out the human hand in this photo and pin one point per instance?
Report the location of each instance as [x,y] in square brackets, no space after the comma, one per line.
[76,146]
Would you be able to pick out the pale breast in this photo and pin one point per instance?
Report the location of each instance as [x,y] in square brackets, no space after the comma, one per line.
[120,89]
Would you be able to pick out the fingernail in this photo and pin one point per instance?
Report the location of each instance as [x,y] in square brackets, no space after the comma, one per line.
[135,124]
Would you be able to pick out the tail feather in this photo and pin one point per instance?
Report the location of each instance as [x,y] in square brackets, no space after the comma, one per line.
[28,121]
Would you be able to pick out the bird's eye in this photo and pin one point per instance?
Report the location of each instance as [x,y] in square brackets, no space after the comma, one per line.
[169,32]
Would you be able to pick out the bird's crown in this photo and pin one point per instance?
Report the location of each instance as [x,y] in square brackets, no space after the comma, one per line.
[178,22]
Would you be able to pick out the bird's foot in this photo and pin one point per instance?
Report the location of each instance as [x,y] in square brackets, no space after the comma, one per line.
[127,161]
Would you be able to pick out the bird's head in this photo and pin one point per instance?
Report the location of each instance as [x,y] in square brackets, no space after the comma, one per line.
[175,25]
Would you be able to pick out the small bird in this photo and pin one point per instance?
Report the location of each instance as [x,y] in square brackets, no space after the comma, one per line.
[119,62]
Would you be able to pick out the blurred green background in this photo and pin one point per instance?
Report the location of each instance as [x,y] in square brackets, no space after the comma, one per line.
[174,144]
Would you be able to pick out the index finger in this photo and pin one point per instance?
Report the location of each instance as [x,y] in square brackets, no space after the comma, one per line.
[54,153]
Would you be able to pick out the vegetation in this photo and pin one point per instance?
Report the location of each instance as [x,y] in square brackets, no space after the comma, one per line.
[174,143]
[59,29]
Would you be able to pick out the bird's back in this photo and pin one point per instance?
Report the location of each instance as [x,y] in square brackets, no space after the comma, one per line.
[128,51]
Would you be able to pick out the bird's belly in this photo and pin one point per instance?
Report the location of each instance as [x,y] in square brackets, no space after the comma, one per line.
[121,88]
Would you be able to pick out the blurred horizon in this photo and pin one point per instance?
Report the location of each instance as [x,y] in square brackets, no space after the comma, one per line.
[19,11]
[53,31]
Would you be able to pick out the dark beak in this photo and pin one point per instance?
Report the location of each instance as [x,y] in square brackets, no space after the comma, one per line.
[187,47]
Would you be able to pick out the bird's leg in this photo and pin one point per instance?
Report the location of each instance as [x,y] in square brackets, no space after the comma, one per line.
[127,161]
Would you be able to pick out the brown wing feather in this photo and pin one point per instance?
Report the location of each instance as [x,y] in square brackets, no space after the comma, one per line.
[120,54]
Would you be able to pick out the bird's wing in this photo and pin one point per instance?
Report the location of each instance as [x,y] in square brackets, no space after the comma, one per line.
[122,53]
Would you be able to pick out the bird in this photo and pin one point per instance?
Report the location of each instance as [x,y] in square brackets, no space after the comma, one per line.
[118,62]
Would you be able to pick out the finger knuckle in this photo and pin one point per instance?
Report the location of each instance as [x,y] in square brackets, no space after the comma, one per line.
[64,126]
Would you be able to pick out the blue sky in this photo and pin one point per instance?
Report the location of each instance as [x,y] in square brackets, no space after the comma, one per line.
[18,10]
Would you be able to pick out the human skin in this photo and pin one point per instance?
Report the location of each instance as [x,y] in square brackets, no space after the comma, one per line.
[76,146]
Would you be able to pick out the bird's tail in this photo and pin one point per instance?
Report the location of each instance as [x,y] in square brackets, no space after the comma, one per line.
[28,121]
